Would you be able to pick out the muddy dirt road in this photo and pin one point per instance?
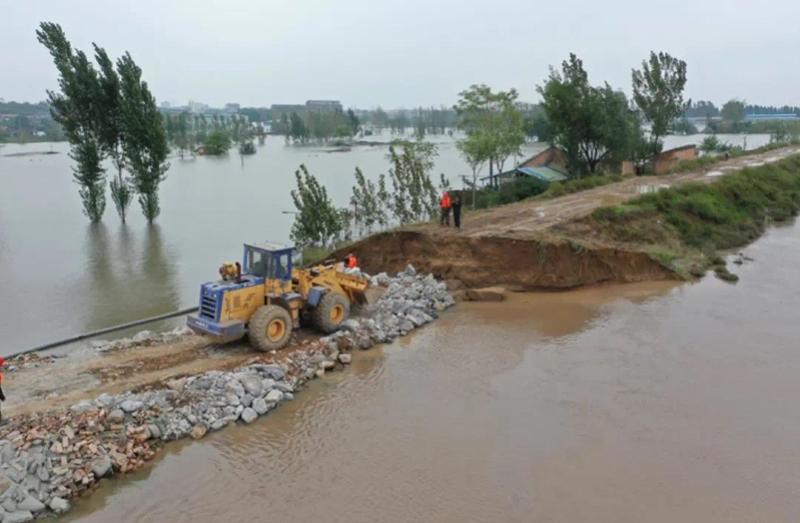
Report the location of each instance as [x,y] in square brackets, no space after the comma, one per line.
[524,219]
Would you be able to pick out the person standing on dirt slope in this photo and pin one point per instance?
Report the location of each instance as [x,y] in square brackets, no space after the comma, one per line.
[456,206]
[2,396]
[444,205]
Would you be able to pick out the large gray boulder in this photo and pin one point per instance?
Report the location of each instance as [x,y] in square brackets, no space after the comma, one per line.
[19,516]
[260,406]
[248,415]
[252,385]
[101,466]
[58,505]
[30,504]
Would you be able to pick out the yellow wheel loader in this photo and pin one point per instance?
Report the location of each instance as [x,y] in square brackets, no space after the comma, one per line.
[266,298]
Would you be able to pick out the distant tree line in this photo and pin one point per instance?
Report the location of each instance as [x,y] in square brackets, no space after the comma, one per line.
[107,112]
[27,122]
[317,126]
[213,134]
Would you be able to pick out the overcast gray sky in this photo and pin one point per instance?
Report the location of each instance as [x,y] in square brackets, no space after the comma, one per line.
[408,52]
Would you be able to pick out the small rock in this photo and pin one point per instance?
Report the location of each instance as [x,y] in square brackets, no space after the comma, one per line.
[487,294]
[104,400]
[274,395]
[131,406]
[22,516]
[82,406]
[154,431]
[198,431]
[248,415]
[30,504]
[101,467]
[260,406]
[143,336]
[327,364]
[345,358]
[350,325]
[116,416]
[58,505]
[252,385]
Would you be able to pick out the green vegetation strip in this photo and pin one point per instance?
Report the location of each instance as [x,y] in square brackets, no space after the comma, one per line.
[706,218]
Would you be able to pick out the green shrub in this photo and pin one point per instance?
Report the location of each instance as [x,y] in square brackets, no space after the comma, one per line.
[509,192]
[557,189]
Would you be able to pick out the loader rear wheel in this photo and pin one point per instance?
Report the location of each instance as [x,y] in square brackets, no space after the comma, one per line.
[333,308]
[270,328]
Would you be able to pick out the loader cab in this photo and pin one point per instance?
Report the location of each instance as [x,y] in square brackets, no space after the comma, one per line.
[268,261]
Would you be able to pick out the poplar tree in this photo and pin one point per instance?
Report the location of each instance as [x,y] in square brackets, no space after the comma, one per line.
[76,108]
[144,140]
[367,207]
[414,194]
[110,129]
[658,92]
[317,221]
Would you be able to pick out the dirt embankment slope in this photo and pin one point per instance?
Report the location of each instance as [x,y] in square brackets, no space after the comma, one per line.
[526,243]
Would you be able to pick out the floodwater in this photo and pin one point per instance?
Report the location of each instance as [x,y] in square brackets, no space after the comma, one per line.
[655,402]
[60,275]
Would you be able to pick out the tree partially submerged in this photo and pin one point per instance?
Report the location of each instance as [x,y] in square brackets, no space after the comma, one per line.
[145,142]
[109,128]
[76,107]
[658,92]
[414,194]
[317,222]
[110,114]
[369,201]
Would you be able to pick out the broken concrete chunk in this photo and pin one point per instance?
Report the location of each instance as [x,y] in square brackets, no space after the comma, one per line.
[487,294]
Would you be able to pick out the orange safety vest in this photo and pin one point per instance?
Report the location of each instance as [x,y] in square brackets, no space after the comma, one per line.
[351,262]
[445,203]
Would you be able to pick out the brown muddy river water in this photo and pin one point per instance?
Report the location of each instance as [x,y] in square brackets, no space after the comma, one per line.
[636,403]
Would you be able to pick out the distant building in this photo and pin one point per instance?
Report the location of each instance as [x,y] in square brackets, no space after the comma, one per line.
[666,161]
[197,107]
[277,111]
[767,117]
[324,106]
[547,166]
[232,108]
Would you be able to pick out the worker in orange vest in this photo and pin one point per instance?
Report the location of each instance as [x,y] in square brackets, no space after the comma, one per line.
[350,261]
[2,396]
[444,205]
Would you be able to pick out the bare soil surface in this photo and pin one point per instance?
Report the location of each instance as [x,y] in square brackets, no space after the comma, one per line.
[47,383]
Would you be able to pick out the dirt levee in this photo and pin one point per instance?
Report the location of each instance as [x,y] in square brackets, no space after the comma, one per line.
[487,260]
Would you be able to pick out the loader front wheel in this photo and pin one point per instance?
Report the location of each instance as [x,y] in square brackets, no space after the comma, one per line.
[332,309]
[270,328]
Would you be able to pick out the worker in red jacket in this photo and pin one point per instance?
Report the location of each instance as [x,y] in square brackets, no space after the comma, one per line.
[444,205]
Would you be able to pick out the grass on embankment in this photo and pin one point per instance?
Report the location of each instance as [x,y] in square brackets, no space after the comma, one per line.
[684,227]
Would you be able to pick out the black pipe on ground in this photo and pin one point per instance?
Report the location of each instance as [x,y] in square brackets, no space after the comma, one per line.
[102,331]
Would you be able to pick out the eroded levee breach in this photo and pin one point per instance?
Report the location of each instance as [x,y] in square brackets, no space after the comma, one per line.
[482,261]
